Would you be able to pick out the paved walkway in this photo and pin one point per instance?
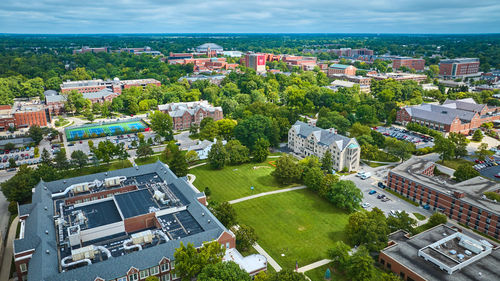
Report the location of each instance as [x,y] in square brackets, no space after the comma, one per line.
[191,178]
[266,193]
[7,254]
[270,260]
[197,165]
[313,265]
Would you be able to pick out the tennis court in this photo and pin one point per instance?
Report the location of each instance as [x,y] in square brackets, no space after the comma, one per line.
[108,129]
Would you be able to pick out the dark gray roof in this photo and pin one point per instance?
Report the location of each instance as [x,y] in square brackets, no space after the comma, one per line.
[465,104]
[439,114]
[55,98]
[50,93]
[44,266]
[324,137]
[405,252]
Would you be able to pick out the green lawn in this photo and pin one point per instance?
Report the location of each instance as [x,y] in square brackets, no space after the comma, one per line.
[298,224]
[233,182]
[419,216]
[454,163]
[318,274]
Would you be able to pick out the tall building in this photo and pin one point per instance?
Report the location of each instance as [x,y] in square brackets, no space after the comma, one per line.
[411,63]
[341,69]
[185,114]
[458,116]
[24,114]
[256,62]
[442,253]
[460,67]
[122,225]
[306,140]
[463,202]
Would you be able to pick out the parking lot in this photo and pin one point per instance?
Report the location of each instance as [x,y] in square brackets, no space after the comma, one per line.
[394,203]
[25,155]
[489,168]
[418,139]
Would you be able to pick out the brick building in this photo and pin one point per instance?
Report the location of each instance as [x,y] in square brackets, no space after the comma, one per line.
[54,103]
[411,63]
[461,67]
[458,116]
[87,49]
[398,76]
[442,253]
[306,140]
[116,85]
[23,114]
[361,80]
[304,63]
[122,225]
[185,114]
[463,202]
[341,69]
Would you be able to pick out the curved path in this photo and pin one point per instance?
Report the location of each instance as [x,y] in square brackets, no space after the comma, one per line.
[8,250]
[266,193]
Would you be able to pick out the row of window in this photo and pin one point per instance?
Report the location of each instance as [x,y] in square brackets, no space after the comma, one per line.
[155,270]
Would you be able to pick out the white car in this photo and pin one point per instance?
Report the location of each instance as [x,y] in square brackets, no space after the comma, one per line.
[365,205]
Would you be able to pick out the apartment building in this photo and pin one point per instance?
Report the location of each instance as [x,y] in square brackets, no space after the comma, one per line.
[306,140]
[122,225]
[460,67]
[458,116]
[185,114]
[442,253]
[411,63]
[463,202]
[341,69]
[23,114]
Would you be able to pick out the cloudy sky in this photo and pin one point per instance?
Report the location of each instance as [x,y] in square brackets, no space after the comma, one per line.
[249,16]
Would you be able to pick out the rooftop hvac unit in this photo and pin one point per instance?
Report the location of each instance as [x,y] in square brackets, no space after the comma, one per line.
[81,187]
[142,237]
[87,252]
[470,245]
[114,181]
[74,235]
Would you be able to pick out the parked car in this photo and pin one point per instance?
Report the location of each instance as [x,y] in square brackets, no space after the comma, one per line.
[365,205]
[380,196]
[373,191]
[366,176]
[386,199]
[381,185]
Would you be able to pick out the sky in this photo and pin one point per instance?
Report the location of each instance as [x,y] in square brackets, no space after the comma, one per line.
[249,16]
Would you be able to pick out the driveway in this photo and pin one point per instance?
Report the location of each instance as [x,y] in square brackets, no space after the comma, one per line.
[183,139]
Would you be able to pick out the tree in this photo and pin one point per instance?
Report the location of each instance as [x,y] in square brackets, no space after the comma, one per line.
[191,156]
[361,265]
[36,133]
[368,228]
[223,271]
[12,163]
[359,130]
[105,151]
[46,159]
[193,129]
[178,163]
[10,146]
[287,171]
[256,127]
[162,124]
[144,150]
[91,144]
[445,147]
[327,162]
[217,156]
[465,172]
[401,149]
[326,184]
[225,213]
[18,188]
[482,152]
[339,254]
[245,237]
[286,275]
[60,160]
[225,128]
[437,219]
[345,195]
[313,177]
[401,220]
[237,153]
[477,136]
[260,150]
[79,158]
[187,262]
[460,141]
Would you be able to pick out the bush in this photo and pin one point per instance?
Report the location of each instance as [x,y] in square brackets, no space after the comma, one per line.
[477,136]
[465,172]
[13,207]
[492,195]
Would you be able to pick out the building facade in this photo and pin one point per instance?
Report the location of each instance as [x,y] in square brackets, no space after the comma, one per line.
[185,114]
[341,69]
[87,49]
[116,85]
[458,116]
[463,202]
[256,62]
[411,63]
[306,140]
[24,114]
[121,225]
[455,68]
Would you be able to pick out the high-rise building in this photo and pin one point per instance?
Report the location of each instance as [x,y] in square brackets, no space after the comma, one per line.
[459,67]
[415,64]
[256,62]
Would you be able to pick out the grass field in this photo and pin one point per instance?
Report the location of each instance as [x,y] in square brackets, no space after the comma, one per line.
[105,129]
[298,224]
[318,274]
[454,163]
[233,182]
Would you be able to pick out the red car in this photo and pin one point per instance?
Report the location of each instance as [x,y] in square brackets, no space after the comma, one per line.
[477,161]
[497,175]
[81,141]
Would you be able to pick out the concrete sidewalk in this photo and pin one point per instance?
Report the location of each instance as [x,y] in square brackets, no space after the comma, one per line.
[313,265]
[266,193]
[270,260]
[7,254]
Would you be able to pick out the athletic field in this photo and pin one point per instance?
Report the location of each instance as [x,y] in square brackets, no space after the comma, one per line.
[108,129]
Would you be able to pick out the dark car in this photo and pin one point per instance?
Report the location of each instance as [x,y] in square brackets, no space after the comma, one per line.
[380,196]
[381,185]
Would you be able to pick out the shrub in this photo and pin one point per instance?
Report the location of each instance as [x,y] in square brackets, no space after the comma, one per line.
[492,195]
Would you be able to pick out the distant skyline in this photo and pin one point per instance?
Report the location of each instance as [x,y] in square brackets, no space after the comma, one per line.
[244,16]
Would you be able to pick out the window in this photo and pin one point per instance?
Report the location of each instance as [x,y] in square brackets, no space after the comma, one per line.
[144,273]
[165,267]
[388,265]
[165,277]
[23,267]
[382,261]
[154,270]
[124,278]
[133,277]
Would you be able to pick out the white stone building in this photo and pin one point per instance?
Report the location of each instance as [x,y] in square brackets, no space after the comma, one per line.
[306,140]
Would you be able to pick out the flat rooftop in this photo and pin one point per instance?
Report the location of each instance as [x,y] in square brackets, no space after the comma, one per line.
[97,214]
[136,203]
[473,188]
[406,252]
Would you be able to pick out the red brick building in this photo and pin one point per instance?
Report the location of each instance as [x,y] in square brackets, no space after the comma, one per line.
[341,69]
[116,85]
[454,68]
[23,115]
[411,63]
[188,113]
[463,202]
[458,116]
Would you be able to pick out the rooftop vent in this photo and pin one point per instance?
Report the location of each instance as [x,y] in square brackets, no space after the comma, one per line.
[444,112]
[208,221]
[45,208]
[47,252]
[46,232]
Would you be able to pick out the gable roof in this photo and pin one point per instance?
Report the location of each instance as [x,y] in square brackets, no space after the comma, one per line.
[323,137]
